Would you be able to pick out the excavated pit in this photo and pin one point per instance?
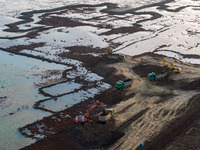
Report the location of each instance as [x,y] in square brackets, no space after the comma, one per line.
[144,70]
[94,134]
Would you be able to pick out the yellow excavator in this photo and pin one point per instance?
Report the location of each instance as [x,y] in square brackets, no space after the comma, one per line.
[173,69]
[109,51]
[110,55]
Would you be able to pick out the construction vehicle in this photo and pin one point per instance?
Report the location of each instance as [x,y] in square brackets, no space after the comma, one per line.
[123,84]
[153,77]
[109,51]
[103,117]
[114,56]
[173,69]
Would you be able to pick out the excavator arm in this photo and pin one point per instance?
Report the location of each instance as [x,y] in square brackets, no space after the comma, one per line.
[85,118]
[164,60]
[172,64]
[173,69]
[103,117]
[93,106]
[89,109]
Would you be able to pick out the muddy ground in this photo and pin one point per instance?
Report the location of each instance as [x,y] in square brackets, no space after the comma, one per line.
[148,115]
[157,114]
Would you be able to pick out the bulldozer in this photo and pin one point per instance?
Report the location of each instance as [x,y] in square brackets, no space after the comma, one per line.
[173,69]
[103,117]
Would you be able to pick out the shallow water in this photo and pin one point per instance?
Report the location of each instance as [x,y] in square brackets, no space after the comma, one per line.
[69,100]
[16,110]
[62,88]
[18,79]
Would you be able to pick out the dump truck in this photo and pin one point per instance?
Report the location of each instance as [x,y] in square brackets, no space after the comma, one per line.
[116,56]
[123,84]
[153,77]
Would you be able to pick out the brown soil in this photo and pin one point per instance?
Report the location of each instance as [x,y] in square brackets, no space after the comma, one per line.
[156,113]
[144,70]
[180,133]
[90,135]
[194,85]
[96,135]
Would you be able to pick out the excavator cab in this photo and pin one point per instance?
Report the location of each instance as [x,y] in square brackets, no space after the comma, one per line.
[81,119]
[122,57]
[177,70]
[151,76]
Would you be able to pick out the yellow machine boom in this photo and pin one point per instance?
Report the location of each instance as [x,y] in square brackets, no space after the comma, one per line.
[173,69]
[109,51]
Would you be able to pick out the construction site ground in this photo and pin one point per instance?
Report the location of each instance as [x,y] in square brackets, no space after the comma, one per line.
[148,115]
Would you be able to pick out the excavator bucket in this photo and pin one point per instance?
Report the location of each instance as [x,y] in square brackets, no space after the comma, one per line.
[104,117]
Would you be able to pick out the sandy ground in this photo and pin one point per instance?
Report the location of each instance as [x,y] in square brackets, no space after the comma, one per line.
[157,104]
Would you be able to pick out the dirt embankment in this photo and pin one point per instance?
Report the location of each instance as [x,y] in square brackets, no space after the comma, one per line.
[147,112]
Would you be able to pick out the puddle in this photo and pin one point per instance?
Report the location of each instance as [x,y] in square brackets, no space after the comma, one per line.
[62,88]
[71,99]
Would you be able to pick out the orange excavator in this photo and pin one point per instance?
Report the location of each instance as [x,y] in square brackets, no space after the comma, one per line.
[103,117]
